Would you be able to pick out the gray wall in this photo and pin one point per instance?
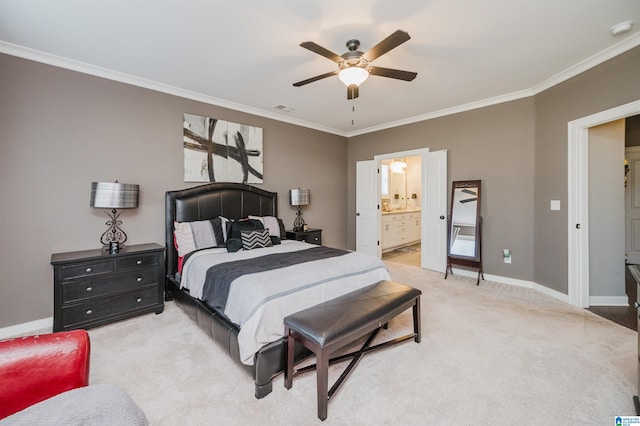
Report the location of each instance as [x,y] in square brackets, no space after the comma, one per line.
[60,130]
[519,151]
[494,144]
[632,131]
[606,210]
[613,83]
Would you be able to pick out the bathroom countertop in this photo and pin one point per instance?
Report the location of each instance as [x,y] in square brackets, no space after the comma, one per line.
[401,211]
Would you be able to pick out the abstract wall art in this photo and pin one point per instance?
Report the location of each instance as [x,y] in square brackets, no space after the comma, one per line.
[221,151]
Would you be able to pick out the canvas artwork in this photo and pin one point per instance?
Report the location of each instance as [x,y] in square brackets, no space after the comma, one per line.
[221,151]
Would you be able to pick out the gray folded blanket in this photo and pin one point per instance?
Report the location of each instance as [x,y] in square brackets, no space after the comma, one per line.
[96,405]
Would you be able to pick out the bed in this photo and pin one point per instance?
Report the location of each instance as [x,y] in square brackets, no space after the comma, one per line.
[239,313]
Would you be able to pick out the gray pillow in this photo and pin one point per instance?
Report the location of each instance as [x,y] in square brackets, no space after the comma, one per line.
[96,405]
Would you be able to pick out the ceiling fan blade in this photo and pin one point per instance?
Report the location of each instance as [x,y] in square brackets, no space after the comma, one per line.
[468,191]
[391,73]
[353,91]
[468,200]
[316,48]
[316,78]
[391,42]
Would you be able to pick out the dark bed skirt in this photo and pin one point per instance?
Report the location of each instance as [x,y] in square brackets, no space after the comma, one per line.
[269,361]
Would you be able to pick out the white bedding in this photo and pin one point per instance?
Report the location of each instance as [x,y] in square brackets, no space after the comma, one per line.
[259,302]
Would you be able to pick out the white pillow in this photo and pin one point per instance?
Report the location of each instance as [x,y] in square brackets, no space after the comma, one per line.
[270,223]
[191,236]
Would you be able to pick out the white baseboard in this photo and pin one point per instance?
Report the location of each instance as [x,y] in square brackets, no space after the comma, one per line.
[515,282]
[551,292]
[608,301]
[27,328]
[593,300]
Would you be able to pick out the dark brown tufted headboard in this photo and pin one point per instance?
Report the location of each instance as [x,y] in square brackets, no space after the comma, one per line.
[231,200]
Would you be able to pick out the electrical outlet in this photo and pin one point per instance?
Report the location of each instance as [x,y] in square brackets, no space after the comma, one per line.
[506,255]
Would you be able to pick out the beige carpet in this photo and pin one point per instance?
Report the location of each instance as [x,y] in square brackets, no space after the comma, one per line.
[490,355]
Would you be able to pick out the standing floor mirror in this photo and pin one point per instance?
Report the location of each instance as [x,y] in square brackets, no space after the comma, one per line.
[465,227]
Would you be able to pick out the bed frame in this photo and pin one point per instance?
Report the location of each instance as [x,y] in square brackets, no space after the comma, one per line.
[234,201]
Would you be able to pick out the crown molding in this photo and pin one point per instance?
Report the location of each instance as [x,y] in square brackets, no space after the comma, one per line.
[591,62]
[443,112]
[600,57]
[61,62]
[109,74]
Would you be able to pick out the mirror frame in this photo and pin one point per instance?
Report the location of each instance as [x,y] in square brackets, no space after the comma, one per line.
[462,184]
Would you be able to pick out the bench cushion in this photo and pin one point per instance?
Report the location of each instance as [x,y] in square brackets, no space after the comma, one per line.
[345,318]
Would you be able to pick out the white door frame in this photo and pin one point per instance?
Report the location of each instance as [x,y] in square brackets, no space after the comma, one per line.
[632,154]
[578,198]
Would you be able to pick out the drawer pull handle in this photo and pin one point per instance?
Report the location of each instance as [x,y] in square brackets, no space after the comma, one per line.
[89,269]
[139,279]
[89,288]
[138,262]
[89,312]
[139,299]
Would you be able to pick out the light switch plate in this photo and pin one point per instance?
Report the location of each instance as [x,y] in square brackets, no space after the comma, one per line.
[555,204]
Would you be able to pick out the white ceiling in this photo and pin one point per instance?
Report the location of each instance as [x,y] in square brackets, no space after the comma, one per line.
[245,54]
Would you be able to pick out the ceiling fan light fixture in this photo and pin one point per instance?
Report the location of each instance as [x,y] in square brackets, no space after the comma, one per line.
[353,75]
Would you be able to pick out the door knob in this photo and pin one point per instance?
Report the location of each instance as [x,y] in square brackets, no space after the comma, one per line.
[442,217]
[357,214]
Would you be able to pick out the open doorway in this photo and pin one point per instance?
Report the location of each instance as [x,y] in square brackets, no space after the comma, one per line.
[400,193]
[578,199]
[432,199]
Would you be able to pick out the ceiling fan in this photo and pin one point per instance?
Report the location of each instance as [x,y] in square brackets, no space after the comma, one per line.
[353,66]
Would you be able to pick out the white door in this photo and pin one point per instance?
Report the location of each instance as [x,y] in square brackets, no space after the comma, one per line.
[367,207]
[434,211]
[632,206]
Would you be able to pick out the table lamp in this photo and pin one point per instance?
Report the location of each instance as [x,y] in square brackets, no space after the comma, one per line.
[298,198]
[114,195]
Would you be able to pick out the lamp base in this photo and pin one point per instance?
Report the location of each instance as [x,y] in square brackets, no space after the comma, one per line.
[298,224]
[114,237]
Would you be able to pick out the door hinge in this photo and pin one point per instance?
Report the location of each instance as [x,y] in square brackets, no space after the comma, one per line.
[378,243]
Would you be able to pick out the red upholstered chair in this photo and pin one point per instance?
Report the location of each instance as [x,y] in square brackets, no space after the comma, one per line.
[36,368]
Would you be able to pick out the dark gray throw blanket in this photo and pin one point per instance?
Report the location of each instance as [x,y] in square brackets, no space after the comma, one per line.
[219,277]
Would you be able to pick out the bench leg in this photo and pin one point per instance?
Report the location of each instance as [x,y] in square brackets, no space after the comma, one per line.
[322,372]
[288,370]
[416,320]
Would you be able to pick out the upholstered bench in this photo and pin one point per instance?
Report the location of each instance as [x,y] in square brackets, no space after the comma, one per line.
[331,325]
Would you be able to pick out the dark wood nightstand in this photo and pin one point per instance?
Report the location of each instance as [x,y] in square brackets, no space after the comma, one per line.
[93,287]
[311,236]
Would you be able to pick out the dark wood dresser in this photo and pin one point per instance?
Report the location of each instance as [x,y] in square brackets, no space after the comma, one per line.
[93,287]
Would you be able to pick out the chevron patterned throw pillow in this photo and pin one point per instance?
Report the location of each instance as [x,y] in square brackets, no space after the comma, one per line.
[256,239]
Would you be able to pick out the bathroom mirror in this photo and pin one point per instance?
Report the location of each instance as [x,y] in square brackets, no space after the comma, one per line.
[464,242]
[397,190]
[394,184]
